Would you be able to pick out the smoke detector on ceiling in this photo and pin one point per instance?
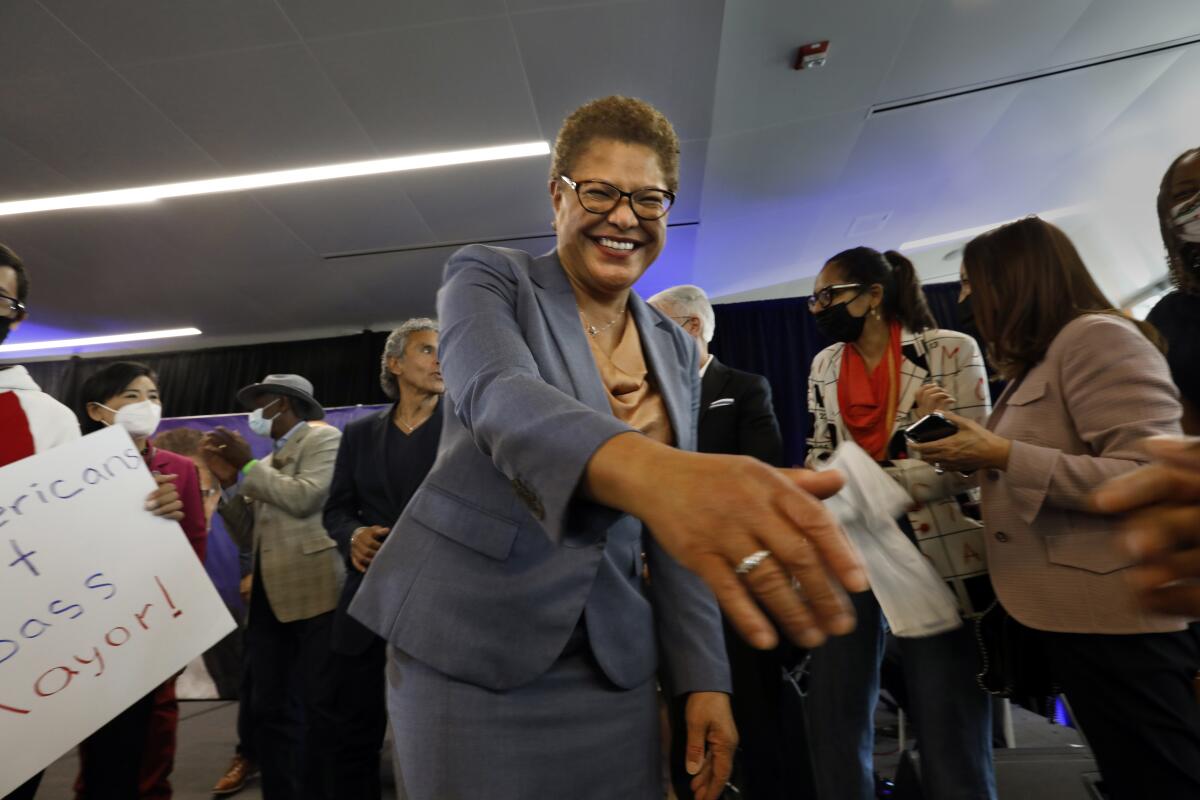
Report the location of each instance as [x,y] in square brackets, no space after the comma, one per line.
[812,55]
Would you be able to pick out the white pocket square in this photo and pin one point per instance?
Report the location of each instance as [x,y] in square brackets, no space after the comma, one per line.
[724,401]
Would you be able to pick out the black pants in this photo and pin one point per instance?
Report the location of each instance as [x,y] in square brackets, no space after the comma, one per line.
[773,761]
[1134,699]
[286,659]
[247,723]
[360,701]
[111,758]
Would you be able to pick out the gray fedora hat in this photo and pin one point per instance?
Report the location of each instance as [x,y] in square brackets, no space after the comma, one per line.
[293,386]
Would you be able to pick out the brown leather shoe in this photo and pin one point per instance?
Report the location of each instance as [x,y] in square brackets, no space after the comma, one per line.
[234,780]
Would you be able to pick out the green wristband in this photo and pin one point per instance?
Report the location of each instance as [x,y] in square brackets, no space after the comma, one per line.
[249,464]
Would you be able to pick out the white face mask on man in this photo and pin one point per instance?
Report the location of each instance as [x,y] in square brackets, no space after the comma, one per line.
[138,419]
[1186,217]
[259,423]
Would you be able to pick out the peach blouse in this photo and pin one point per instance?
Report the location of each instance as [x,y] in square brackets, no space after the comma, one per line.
[631,393]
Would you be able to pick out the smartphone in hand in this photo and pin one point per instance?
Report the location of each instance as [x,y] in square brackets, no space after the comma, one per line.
[930,428]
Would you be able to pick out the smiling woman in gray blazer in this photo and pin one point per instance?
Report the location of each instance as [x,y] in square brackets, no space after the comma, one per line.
[1087,387]
[523,636]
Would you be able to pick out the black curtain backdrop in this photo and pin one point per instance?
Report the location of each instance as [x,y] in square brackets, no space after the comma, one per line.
[344,371]
[778,339]
[775,338]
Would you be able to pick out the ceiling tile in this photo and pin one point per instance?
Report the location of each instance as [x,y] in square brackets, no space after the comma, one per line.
[663,51]
[349,215]
[34,43]
[26,177]
[953,43]
[523,6]
[256,109]
[448,86]
[484,201]
[757,86]
[134,31]
[318,19]
[763,194]
[94,129]
[1114,26]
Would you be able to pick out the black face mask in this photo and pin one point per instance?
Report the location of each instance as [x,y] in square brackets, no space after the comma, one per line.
[1189,254]
[966,320]
[5,327]
[966,315]
[838,324]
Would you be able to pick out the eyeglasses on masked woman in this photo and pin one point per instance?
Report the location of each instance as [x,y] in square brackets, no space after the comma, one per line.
[824,298]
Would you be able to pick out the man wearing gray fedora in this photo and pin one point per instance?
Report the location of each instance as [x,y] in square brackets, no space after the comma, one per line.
[273,507]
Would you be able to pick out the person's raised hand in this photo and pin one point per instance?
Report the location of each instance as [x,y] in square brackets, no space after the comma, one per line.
[229,445]
[712,739]
[932,397]
[364,544]
[164,501]
[1162,525]
[225,473]
[712,513]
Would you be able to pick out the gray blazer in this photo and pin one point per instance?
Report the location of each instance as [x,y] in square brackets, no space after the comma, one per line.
[495,559]
[277,515]
[1077,418]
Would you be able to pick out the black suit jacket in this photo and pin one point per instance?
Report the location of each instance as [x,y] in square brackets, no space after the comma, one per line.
[361,495]
[736,415]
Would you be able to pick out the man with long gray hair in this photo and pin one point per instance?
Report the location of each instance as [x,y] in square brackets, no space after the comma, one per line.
[383,459]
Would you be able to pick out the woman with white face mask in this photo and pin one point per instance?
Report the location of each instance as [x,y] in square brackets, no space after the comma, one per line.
[1177,316]
[122,759]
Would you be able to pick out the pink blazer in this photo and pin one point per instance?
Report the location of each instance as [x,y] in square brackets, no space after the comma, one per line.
[1075,420]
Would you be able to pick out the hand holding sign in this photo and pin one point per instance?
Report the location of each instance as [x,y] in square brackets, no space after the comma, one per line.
[164,501]
[99,601]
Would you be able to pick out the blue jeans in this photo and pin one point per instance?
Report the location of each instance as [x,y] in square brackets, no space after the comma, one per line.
[951,715]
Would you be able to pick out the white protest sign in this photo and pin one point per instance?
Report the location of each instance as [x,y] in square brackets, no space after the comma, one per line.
[100,601]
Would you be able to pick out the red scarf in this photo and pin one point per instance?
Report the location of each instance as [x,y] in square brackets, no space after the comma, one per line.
[16,439]
[868,400]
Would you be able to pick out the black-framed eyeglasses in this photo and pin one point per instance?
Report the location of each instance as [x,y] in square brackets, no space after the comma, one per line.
[824,298]
[12,304]
[600,197]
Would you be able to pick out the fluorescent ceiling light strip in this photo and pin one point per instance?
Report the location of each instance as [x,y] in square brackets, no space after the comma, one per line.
[287,177]
[93,340]
[971,233]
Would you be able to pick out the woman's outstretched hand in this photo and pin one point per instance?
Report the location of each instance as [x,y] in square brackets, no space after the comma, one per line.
[711,512]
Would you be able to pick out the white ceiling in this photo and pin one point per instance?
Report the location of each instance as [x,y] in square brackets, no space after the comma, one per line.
[777,164]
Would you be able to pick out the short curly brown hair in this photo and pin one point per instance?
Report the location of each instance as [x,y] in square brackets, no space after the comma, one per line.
[622,119]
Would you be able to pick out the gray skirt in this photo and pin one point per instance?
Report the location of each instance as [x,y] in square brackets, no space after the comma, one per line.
[569,734]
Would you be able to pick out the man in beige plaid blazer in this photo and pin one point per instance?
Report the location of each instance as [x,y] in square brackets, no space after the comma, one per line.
[273,507]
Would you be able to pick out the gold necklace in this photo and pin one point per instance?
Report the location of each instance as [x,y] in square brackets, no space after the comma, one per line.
[592,330]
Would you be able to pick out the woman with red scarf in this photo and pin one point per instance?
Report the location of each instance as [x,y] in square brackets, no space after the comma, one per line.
[887,368]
